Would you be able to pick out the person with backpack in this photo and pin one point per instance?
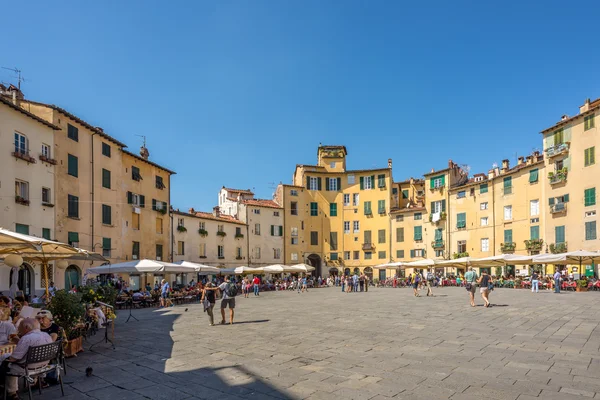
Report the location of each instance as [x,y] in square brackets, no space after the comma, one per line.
[471,284]
[415,283]
[229,290]
[429,283]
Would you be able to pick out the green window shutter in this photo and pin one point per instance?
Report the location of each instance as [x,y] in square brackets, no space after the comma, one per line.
[431,210]
[592,155]
[551,201]
[381,180]
[443,177]
[23,229]
[381,236]
[333,209]
[142,201]
[314,209]
[372,181]
[73,237]
[106,243]
[418,233]
[129,198]
[405,194]
[461,220]
[333,240]
[327,184]
[444,205]
[533,175]
[590,197]
[412,254]
[566,198]
[46,233]
[105,178]
[308,182]
[534,232]
[508,236]
[431,186]
[367,206]
[72,167]
[319,183]
[438,234]
[399,234]
[154,204]
[272,230]
[362,183]
[106,214]
[586,157]
[590,230]
[507,182]
[339,184]
[381,206]
[483,188]
[559,234]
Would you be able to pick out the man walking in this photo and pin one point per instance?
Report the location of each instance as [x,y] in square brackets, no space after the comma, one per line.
[557,277]
[229,291]
[343,282]
[256,283]
[429,283]
[471,284]
[534,282]
[355,282]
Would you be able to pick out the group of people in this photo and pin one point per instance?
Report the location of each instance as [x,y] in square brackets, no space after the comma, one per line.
[353,283]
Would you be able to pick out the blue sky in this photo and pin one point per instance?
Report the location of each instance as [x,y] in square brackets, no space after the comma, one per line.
[237,93]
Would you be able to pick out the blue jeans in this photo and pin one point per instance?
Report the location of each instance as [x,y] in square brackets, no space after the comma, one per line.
[557,286]
[256,290]
[534,285]
[343,287]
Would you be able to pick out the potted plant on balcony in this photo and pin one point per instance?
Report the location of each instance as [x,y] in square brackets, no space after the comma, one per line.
[582,285]
[181,228]
[239,235]
[163,210]
[203,232]
[68,312]
[21,200]
[221,233]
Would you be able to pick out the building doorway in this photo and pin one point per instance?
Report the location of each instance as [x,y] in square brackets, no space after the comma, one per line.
[334,271]
[347,271]
[314,260]
[24,279]
[382,275]
[72,276]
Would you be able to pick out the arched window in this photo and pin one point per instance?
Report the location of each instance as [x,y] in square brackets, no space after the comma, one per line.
[72,276]
[357,271]
[24,279]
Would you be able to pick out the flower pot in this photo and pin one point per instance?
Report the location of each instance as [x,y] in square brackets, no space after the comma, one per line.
[74,346]
[581,289]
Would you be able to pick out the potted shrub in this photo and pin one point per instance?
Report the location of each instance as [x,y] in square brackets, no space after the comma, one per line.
[221,233]
[181,228]
[203,232]
[68,312]
[582,285]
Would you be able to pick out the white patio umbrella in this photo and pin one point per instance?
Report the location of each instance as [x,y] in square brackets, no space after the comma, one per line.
[42,250]
[390,265]
[462,262]
[141,266]
[276,269]
[580,257]
[239,271]
[426,262]
[199,267]
[501,260]
[302,268]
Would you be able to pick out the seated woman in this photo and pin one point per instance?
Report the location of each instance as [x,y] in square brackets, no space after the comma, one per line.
[6,326]
[47,324]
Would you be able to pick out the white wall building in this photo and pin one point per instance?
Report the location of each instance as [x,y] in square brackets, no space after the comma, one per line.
[265,231]
[229,200]
[27,200]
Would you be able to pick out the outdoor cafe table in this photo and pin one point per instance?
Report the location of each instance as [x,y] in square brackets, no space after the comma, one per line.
[7,349]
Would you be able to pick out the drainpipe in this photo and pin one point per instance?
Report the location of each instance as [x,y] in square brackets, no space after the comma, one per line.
[494,217]
[171,236]
[93,193]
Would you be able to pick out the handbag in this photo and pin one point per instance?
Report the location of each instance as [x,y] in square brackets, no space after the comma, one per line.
[490,286]
[469,286]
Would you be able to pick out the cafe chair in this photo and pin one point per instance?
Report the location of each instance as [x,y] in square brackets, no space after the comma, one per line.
[47,352]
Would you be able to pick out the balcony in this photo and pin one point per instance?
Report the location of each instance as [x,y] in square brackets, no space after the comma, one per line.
[556,248]
[534,244]
[221,233]
[368,246]
[558,208]
[21,200]
[181,229]
[460,255]
[239,235]
[557,150]
[558,176]
[508,247]
[23,155]
[47,159]
[203,232]
[442,216]
[437,244]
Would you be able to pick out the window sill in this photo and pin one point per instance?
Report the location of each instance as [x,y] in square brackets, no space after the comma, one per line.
[202,257]
[75,218]
[221,258]
[108,225]
[47,205]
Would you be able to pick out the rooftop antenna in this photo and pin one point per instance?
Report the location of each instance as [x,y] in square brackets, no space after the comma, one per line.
[17,71]
[144,150]
[142,136]
[272,185]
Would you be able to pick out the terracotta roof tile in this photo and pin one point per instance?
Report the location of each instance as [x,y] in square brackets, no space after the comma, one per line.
[247,191]
[211,216]
[148,161]
[261,203]
[30,115]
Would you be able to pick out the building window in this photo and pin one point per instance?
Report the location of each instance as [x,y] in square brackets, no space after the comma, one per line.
[135,174]
[346,199]
[294,208]
[484,221]
[294,256]
[399,234]
[437,182]
[367,182]
[461,195]
[181,248]
[534,232]
[333,256]
[257,253]
[405,194]
[461,246]
[533,175]
[257,229]
[351,179]
[399,218]
[356,255]
[314,209]
[355,199]
[106,150]
[180,222]
[333,209]
[346,226]
[508,185]
[159,252]
[106,247]
[105,178]
[381,181]
[46,151]
[332,184]
[314,238]
[508,237]
[23,229]
[72,165]
[346,255]
[367,237]
[276,213]
[276,254]
[294,240]
[136,199]
[72,132]
[313,183]
[238,253]
[381,255]
[46,196]
[276,230]
[381,206]
[485,244]
[483,188]
[381,236]
[590,213]
[135,250]
[534,208]
[356,226]
[418,216]
[238,231]
[332,164]
[256,211]
[293,192]
[418,233]
[368,255]
[220,228]
[589,197]
[507,213]
[590,230]
[21,144]
[367,207]
[559,234]
[588,122]
[158,183]
[461,220]
[159,225]
[399,254]
[73,206]
[46,234]
[483,206]
[106,214]
[294,231]
[438,206]
[73,239]
[558,137]
[589,156]
[135,221]
[417,253]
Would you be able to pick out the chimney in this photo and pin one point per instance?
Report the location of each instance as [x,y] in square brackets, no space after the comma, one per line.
[144,153]
[564,117]
[389,163]
[585,107]
[191,210]
[450,164]
[529,160]
[491,174]
[216,211]
[521,160]
[14,97]
[505,166]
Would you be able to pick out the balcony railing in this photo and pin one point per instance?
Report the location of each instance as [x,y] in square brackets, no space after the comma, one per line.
[508,247]
[47,159]
[368,246]
[437,244]
[23,155]
[21,200]
[442,216]
[558,208]
[556,150]
[534,244]
[558,176]
[556,248]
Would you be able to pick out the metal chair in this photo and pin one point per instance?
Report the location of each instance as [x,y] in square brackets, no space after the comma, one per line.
[39,354]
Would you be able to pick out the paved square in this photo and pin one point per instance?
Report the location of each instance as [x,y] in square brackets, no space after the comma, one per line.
[331,345]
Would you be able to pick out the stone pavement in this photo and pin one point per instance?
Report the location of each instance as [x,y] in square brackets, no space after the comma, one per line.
[330,345]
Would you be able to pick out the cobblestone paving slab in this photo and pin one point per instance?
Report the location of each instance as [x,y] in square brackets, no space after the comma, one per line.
[324,344]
